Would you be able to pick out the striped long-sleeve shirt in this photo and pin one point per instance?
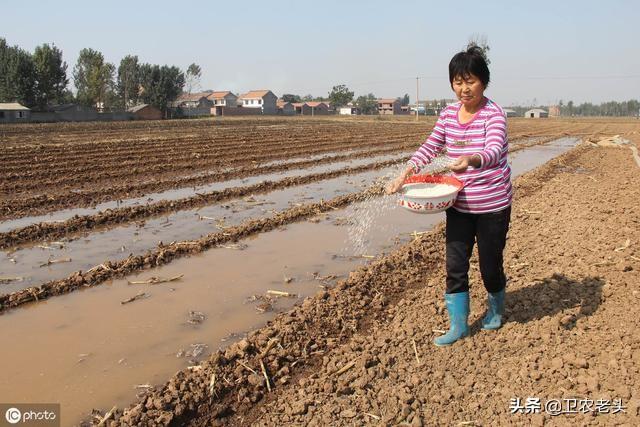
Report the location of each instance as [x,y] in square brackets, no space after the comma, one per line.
[487,188]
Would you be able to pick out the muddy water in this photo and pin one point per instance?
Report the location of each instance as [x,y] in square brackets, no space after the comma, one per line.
[88,350]
[192,191]
[87,251]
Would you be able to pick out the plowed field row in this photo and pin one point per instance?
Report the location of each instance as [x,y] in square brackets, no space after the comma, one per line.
[33,140]
[89,175]
[41,204]
[51,164]
[84,152]
[111,217]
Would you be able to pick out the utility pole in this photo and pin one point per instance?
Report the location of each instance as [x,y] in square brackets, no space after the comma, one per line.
[417,98]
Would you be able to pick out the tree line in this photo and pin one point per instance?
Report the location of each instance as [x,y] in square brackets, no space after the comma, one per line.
[610,108]
[39,79]
[588,109]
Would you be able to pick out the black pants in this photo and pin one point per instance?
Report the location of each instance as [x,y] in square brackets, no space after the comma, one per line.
[490,231]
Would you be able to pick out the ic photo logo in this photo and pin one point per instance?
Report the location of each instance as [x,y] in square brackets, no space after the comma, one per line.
[13,415]
[30,414]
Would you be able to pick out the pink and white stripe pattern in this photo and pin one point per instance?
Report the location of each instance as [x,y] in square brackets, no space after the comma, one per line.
[487,188]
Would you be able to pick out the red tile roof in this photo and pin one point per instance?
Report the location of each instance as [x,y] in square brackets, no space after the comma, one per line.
[255,94]
[218,94]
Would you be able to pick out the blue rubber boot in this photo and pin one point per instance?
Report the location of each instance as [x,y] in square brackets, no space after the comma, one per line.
[458,309]
[495,309]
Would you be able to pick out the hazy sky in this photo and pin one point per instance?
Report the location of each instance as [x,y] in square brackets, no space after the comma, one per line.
[544,50]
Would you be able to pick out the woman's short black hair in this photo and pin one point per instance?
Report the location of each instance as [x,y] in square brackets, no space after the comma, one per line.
[468,62]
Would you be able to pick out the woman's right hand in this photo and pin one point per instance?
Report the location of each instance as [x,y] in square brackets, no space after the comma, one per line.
[396,184]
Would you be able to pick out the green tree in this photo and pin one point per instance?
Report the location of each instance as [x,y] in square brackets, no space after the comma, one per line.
[405,100]
[128,81]
[340,95]
[160,85]
[287,97]
[194,72]
[93,79]
[368,104]
[17,75]
[51,75]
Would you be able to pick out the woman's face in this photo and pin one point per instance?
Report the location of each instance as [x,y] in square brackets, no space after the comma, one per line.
[469,90]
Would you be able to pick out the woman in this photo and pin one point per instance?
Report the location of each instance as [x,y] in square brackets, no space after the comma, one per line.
[474,133]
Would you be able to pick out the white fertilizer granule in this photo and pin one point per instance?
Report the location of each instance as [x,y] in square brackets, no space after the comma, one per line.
[430,190]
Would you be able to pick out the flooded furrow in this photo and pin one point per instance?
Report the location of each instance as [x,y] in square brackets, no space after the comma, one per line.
[33,265]
[180,193]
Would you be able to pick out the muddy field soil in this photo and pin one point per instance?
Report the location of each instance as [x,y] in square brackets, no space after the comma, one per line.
[362,352]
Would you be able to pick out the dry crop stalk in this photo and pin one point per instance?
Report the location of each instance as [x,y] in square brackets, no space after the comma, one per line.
[55,261]
[280,293]
[212,384]
[11,279]
[266,377]
[272,342]
[155,280]
[134,298]
[346,367]
[627,243]
[247,367]
[107,416]
[415,350]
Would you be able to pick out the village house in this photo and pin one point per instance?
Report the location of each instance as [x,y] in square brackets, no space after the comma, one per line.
[388,106]
[145,112]
[509,112]
[192,105]
[285,108]
[265,100]
[312,108]
[193,100]
[349,110]
[13,112]
[536,113]
[222,100]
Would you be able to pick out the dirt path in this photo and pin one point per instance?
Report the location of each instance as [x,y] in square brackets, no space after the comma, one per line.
[348,355]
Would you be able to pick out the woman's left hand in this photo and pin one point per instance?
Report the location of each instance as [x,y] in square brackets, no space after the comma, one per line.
[463,162]
[460,165]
